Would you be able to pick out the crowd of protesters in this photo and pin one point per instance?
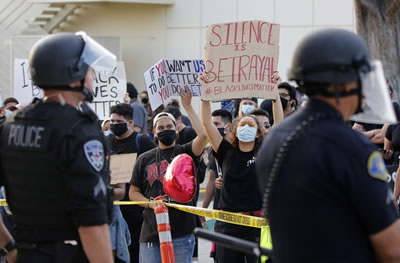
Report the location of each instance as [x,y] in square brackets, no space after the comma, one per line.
[234,133]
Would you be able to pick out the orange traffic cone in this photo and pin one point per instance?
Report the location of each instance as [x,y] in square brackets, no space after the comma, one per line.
[164,233]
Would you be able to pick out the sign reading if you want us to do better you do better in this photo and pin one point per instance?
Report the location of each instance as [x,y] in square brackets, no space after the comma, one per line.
[165,79]
[109,88]
[240,60]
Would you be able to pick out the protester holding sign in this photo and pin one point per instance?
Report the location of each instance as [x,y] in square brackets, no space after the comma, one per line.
[147,183]
[236,157]
[124,139]
[241,57]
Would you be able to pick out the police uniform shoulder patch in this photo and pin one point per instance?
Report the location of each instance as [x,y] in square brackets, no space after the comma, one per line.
[376,167]
[94,154]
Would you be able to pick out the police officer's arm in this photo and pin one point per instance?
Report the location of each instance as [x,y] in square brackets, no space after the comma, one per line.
[6,238]
[212,132]
[89,199]
[96,243]
[366,181]
[200,141]
[387,243]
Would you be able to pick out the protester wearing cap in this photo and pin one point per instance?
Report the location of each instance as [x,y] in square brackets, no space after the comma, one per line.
[147,183]
[246,105]
[324,185]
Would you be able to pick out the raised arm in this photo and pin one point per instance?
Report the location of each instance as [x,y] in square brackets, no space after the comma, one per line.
[200,141]
[212,132]
[277,109]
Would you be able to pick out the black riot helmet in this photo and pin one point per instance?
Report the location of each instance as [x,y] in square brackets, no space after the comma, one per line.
[60,59]
[332,56]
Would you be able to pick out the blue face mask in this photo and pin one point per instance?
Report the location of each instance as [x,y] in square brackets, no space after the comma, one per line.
[246,133]
[246,109]
[8,113]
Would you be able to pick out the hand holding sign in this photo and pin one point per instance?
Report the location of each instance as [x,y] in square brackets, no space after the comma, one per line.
[165,79]
[186,96]
[240,60]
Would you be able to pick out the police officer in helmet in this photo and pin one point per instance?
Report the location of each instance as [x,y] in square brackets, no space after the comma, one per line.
[53,158]
[325,185]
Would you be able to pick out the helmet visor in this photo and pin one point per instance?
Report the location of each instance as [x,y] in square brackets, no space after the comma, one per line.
[97,56]
[377,106]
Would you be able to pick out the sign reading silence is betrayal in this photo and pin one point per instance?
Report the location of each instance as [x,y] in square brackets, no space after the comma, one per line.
[109,88]
[240,60]
[168,76]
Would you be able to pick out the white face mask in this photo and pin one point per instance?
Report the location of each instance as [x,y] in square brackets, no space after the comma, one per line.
[8,113]
[246,133]
[246,109]
[106,133]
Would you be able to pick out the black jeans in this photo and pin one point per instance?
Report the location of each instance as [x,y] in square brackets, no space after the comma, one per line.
[226,255]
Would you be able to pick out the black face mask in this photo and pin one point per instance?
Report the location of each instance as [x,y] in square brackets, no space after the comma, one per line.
[119,129]
[145,100]
[284,103]
[167,137]
[221,131]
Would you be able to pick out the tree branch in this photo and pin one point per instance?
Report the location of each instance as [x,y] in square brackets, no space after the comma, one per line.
[392,9]
[372,6]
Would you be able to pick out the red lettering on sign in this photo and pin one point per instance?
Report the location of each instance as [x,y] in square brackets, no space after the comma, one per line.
[217,35]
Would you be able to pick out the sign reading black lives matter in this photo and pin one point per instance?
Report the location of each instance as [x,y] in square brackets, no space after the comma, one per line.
[109,88]
[168,76]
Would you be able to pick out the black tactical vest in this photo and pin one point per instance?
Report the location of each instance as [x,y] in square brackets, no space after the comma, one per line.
[34,154]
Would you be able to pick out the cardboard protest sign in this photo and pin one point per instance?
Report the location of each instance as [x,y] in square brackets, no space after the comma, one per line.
[24,90]
[121,166]
[240,60]
[109,88]
[168,76]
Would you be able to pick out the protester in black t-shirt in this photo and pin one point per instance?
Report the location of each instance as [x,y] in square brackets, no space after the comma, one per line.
[222,119]
[125,140]
[239,193]
[147,179]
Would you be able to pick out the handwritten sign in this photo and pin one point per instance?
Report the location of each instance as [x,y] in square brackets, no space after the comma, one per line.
[240,59]
[168,76]
[109,88]
[121,166]
[24,89]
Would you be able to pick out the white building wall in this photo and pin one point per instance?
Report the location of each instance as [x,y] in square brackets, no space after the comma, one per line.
[149,32]
[187,19]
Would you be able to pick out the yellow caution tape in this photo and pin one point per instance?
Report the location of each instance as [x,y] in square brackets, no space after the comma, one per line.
[224,216]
